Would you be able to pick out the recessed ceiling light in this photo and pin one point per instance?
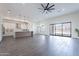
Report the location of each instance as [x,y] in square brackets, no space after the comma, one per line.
[9,11]
[60,10]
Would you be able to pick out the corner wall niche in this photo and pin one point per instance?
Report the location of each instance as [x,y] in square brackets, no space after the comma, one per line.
[11,26]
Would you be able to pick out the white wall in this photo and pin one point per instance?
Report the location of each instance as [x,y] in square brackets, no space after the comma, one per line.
[34,28]
[0,29]
[73,17]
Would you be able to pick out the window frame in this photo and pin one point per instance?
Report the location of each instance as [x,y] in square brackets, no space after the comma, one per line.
[62,29]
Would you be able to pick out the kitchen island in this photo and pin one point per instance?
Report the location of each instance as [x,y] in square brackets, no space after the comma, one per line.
[23,34]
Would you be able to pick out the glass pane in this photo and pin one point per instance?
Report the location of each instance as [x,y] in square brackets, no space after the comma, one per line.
[66,29]
[58,29]
[52,29]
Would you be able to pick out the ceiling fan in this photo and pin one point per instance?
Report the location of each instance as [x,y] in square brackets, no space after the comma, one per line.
[47,8]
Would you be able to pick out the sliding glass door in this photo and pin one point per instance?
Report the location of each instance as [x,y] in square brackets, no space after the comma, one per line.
[67,29]
[61,29]
[52,29]
[58,30]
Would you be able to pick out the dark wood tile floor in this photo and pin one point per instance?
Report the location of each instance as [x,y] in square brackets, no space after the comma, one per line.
[39,45]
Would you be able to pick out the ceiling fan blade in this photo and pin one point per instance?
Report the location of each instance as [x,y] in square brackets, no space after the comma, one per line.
[49,11]
[47,5]
[52,9]
[51,6]
[40,8]
[42,5]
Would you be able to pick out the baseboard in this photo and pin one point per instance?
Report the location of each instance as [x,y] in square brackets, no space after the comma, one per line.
[75,37]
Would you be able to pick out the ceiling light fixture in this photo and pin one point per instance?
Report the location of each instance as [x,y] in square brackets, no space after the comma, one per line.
[47,8]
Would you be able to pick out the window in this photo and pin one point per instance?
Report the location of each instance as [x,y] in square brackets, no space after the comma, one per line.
[61,29]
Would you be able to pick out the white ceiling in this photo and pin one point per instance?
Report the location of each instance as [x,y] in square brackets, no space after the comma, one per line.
[31,10]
